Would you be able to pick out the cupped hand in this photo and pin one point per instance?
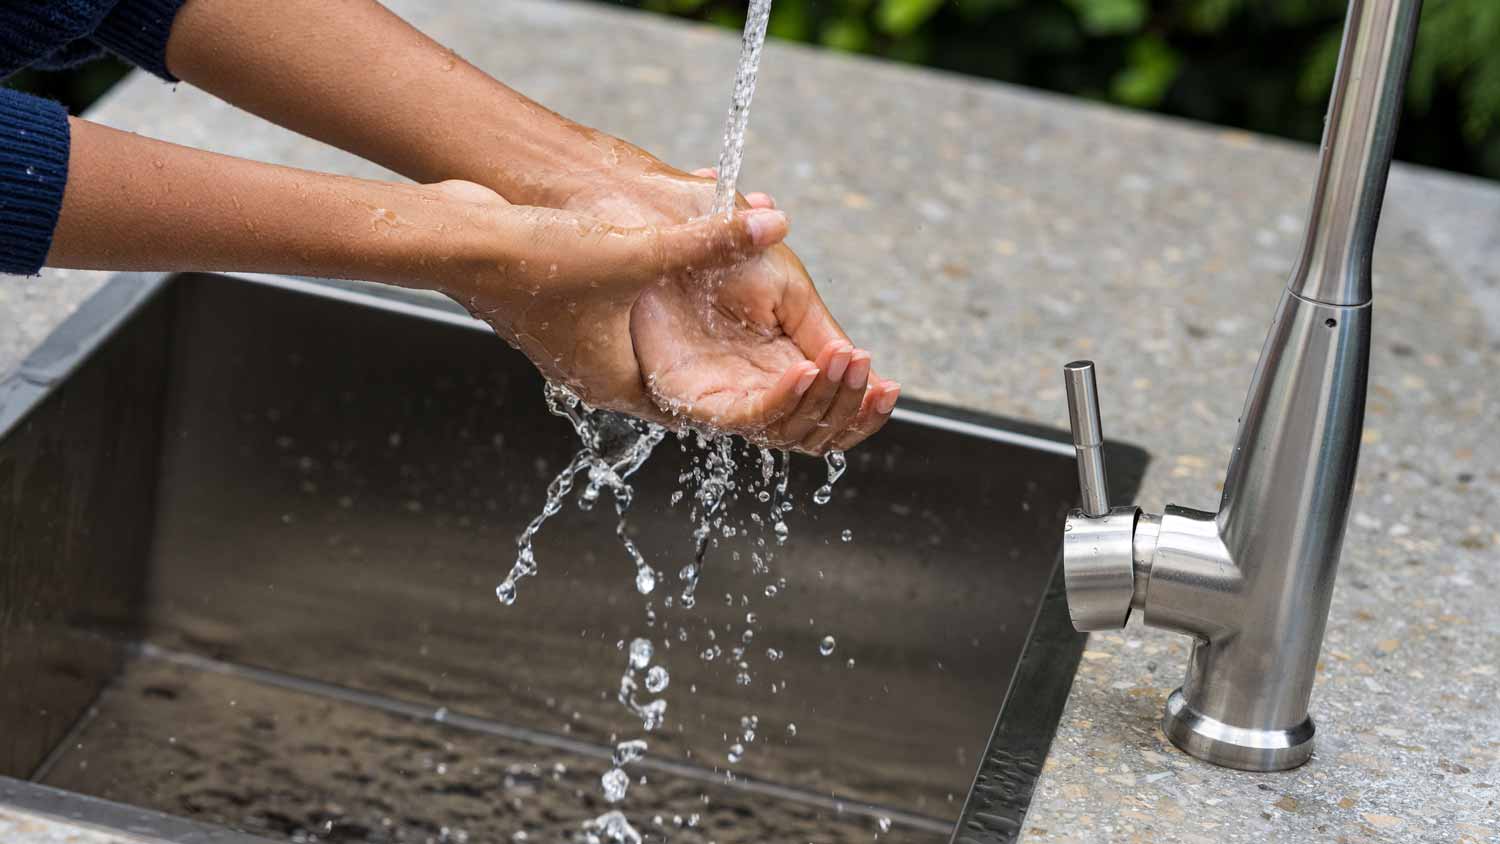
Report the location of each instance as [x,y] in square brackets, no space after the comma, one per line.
[561,287]
[750,349]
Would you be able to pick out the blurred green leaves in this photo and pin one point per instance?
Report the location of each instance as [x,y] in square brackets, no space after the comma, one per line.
[1110,17]
[902,17]
[1152,67]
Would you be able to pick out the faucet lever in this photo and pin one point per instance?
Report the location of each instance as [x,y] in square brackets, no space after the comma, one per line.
[1088,436]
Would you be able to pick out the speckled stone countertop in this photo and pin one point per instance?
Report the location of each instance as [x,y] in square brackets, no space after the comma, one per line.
[976,236]
[33,829]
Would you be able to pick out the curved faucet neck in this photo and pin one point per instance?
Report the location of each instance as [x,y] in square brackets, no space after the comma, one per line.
[1358,139]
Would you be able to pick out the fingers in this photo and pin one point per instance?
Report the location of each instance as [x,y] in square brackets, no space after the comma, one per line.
[832,362]
[783,399]
[709,242]
[845,406]
[874,412]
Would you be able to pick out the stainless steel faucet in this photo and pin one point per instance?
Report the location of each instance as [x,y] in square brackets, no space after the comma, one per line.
[1252,582]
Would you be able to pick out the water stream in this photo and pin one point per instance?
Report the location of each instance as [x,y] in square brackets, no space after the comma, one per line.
[733,153]
[614,446]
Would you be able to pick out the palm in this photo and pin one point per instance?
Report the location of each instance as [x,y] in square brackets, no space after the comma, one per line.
[715,350]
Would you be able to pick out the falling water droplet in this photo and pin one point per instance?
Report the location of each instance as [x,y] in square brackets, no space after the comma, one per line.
[506,591]
[657,679]
[847,535]
[640,653]
[736,753]
[615,782]
[645,580]
[885,824]
[837,465]
[629,751]
[826,646]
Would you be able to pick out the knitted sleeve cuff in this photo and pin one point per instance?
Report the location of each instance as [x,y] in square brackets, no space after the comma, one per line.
[137,31]
[34,143]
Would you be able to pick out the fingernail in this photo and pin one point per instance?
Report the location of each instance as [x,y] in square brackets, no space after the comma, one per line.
[766,226]
[887,402]
[806,381]
[858,372]
[839,363]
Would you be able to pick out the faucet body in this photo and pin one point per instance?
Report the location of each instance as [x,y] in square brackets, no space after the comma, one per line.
[1252,583]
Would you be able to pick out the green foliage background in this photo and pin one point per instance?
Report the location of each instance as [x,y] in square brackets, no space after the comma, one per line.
[1264,65]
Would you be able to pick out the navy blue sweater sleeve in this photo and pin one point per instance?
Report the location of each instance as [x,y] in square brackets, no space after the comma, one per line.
[34,31]
[137,30]
[34,141]
[33,170]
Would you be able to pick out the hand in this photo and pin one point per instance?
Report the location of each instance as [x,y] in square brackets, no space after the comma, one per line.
[717,349]
[566,302]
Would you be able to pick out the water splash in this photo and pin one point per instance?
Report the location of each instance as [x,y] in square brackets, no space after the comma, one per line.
[614,447]
[735,124]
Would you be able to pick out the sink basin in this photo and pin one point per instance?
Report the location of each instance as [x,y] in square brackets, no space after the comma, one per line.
[250,530]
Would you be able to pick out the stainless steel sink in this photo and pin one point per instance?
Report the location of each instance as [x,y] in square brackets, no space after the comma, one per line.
[249,535]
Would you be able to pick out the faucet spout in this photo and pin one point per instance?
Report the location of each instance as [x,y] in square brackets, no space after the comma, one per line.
[1358,137]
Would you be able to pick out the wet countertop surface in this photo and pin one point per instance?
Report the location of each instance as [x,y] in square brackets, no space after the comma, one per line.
[977,236]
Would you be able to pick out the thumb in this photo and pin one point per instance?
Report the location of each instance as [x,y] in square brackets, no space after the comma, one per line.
[716,241]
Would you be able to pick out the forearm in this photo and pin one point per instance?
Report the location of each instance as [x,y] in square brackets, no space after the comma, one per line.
[133,203]
[352,74]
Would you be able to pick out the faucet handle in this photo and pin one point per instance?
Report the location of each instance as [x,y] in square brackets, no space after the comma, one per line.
[1088,436]
[1098,542]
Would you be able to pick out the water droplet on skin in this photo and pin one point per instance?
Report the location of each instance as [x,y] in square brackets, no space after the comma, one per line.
[826,646]
[640,654]
[657,679]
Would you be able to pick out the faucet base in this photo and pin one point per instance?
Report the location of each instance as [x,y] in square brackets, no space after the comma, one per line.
[1214,741]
